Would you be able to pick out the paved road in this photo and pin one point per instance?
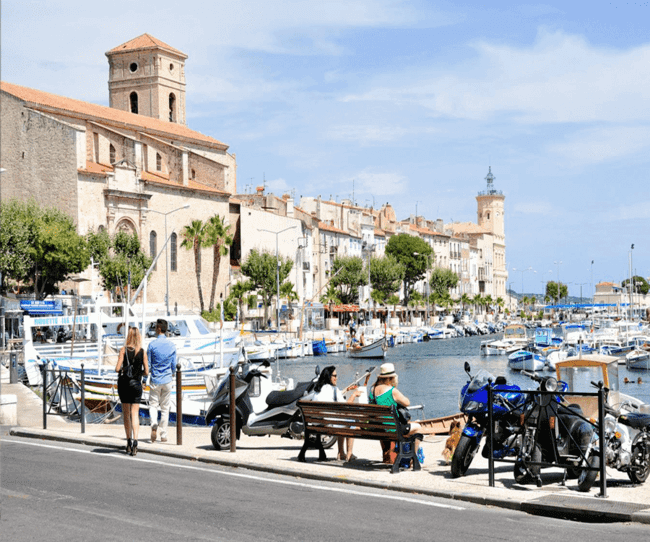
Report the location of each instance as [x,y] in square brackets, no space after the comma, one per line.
[55,491]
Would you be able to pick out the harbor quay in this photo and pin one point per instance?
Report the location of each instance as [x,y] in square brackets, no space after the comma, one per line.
[624,501]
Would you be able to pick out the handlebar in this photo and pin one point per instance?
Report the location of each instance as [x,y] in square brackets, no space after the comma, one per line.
[535,377]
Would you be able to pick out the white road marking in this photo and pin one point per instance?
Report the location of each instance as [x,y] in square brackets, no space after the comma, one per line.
[247,476]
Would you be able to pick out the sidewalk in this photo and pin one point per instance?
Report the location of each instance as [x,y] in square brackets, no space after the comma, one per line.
[624,501]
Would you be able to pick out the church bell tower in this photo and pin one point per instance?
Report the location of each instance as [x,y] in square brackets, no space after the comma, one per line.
[147,77]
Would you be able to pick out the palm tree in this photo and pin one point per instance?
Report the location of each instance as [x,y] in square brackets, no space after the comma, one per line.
[465,300]
[488,302]
[500,303]
[239,292]
[330,297]
[193,238]
[218,235]
[478,301]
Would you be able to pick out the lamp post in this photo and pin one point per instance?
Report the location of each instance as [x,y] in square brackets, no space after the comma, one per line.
[522,271]
[631,285]
[593,291]
[167,251]
[277,271]
[581,284]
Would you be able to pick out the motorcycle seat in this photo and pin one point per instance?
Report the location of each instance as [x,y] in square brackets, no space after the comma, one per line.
[635,420]
[281,398]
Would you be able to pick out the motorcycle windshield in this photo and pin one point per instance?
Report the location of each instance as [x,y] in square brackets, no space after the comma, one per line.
[480,380]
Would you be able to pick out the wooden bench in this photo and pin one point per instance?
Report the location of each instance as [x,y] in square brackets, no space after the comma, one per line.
[360,421]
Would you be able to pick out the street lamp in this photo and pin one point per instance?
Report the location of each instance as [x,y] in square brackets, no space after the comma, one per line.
[277,271]
[631,285]
[369,249]
[187,206]
[522,271]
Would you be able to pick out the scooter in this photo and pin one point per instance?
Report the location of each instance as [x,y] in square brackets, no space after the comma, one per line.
[627,441]
[281,417]
[554,434]
[505,411]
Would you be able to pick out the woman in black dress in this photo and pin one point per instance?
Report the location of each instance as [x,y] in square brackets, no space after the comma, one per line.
[131,366]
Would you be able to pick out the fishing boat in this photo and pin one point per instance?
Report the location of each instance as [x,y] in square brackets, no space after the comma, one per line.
[442,425]
[376,349]
[638,359]
[319,347]
[516,333]
[524,360]
[500,347]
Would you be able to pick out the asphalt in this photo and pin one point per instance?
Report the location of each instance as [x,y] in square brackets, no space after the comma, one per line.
[624,502]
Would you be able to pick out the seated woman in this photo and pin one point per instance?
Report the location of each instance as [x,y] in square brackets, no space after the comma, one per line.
[384,392]
[326,390]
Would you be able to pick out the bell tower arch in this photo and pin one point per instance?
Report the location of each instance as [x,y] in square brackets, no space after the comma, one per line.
[147,77]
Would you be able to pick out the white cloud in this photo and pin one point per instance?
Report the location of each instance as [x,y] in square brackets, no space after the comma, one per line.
[603,144]
[380,184]
[560,78]
[632,211]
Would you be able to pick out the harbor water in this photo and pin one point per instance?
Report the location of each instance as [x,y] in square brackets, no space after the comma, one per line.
[431,373]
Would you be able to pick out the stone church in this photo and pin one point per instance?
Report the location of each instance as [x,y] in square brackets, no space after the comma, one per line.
[133,166]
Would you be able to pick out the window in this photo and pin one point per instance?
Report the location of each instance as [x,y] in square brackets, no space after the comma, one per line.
[172,252]
[133,98]
[193,174]
[153,238]
[111,151]
[172,108]
[158,162]
[133,67]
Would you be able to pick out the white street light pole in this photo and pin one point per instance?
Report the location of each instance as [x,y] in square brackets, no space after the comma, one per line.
[277,271]
[558,264]
[167,251]
[631,285]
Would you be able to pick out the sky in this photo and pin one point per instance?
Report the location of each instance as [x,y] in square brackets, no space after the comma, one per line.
[405,102]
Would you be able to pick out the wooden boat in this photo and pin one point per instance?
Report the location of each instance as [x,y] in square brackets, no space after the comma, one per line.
[524,360]
[376,349]
[442,425]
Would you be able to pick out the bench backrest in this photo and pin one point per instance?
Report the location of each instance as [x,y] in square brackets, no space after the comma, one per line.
[356,420]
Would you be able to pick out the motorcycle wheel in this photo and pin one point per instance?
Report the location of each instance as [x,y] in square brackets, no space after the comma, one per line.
[328,441]
[463,456]
[523,476]
[640,476]
[588,477]
[220,434]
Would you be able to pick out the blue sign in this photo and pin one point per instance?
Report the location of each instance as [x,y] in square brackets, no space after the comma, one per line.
[42,307]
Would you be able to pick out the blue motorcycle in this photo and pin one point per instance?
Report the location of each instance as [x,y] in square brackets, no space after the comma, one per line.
[506,409]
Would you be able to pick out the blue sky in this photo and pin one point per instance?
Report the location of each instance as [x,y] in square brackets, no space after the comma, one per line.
[404,102]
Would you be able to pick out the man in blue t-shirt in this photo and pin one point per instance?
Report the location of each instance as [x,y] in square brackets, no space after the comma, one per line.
[162,364]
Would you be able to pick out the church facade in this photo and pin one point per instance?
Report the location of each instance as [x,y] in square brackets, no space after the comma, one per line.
[134,166]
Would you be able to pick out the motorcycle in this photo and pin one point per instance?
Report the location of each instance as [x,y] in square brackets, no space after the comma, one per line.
[473,402]
[627,441]
[281,416]
[558,435]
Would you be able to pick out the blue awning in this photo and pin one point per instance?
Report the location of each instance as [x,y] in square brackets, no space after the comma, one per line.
[42,308]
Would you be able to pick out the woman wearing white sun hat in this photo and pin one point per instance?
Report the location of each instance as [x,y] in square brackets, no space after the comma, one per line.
[384,392]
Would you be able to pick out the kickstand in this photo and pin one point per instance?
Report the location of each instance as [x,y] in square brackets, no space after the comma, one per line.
[566,474]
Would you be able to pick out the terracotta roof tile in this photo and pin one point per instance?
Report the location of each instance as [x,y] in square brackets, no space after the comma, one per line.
[96,169]
[145,41]
[45,101]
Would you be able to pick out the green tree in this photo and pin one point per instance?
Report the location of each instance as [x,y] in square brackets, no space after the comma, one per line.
[488,302]
[193,236]
[414,254]
[330,297]
[552,290]
[478,302]
[386,275]
[239,294]
[260,268]
[465,300]
[442,280]
[217,234]
[118,256]
[350,277]
[17,236]
[58,251]
[500,303]
[641,285]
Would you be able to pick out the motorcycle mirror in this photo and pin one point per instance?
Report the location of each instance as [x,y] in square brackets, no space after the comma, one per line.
[467,367]
[317,370]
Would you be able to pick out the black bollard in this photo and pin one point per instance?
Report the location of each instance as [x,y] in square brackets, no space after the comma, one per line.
[179,406]
[83,399]
[233,417]
[44,376]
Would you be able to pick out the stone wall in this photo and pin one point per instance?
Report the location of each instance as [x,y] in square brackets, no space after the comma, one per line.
[39,154]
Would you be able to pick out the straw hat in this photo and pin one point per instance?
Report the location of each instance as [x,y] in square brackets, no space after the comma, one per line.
[387,369]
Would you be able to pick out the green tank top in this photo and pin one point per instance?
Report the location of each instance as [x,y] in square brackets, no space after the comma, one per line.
[385,398]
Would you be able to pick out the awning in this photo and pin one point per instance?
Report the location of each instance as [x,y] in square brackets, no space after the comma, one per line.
[344,308]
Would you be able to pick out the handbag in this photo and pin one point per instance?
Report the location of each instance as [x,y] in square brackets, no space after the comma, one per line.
[128,367]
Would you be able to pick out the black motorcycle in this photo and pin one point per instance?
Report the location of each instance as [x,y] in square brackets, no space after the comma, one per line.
[555,434]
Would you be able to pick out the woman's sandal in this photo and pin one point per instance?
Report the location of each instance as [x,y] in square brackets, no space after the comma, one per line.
[129,445]
[134,448]
[351,458]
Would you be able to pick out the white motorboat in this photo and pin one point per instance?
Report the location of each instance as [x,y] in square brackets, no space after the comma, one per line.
[524,360]
[638,359]
[500,347]
[376,349]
